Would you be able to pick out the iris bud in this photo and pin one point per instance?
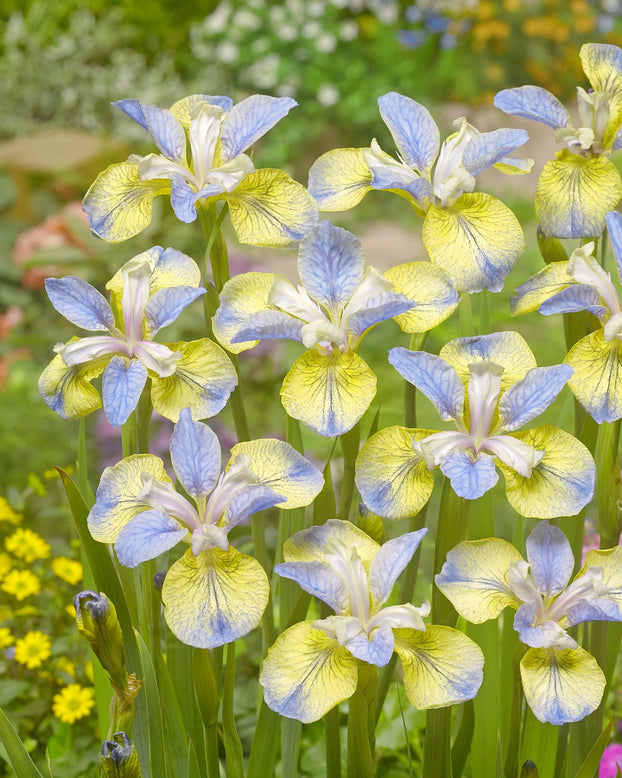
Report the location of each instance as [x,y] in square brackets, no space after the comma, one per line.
[97,622]
[120,758]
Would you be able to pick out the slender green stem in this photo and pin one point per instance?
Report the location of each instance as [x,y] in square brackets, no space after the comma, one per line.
[453,518]
[607,473]
[349,447]
[216,248]
[206,695]
[332,738]
[465,314]
[484,312]
[417,341]
[361,721]
[233,746]
[510,769]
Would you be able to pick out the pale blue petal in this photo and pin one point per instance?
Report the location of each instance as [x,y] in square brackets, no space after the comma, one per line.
[487,148]
[536,637]
[195,455]
[80,303]
[380,307]
[389,562]
[166,304]
[385,178]
[122,384]
[330,264]
[578,297]
[550,557]
[617,141]
[249,120]
[252,499]
[533,102]
[147,536]
[469,478]
[601,609]
[614,228]
[267,325]
[530,397]
[167,132]
[183,199]
[433,377]
[413,129]
[318,579]
[133,109]
[376,650]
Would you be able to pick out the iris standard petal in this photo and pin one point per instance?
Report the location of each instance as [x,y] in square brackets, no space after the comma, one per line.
[413,129]
[184,108]
[166,305]
[528,398]
[214,598]
[166,131]
[244,502]
[561,686]
[203,380]
[280,467]
[122,384]
[477,240]
[475,578]
[134,109]
[269,325]
[470,477]
[306,673]
[597,378]
[550,558]
[610,561]
[488,148]
[195,455]
[318,579]
[578,297]
[602,64]
[433,377]
[309,545]
[269,208]
[388,564]
[116,499]
[68,390]
[330,265]
[442,666]
[533,102]
[432,291]
[328,393]
[540,287]
[391,475]
[80,303]
[340,179]
[575,193]
[118,204]
[614,228]
[379,307]
[248,120]
[508,349]
[240,298]
[560,484]
[146,536]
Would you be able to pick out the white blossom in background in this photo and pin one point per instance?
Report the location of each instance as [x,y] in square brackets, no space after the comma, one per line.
[264,74]
[348,30]
[246,19]
[227,52]
[327,94]
[325,43]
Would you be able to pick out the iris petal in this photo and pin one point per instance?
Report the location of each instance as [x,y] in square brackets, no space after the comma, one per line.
[540,287]
[80,303]
[533,102]
[68,390]
[432,376]
[340,179]
[248,120]
[528,398]
[122,384]
[310,545]
[195,455]
[413,129]
[241,297]
[597,378]
[389,562]
[550,558]
[146,536]
[430,287]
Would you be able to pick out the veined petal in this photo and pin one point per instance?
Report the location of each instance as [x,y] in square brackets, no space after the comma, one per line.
[330,264]
[578,297]
[240,298]
[166,131]
[561,686]
[116,500]
[442,666]
[340,179]
[122,384]
[575,193]
[513,166]
[166,305]
[475,578]
[119,204]
[560,484]
[184,108]
[248,120]
[550,558]
[244,502]
[540,287]
[533,102]
[610,561]
[597,378]
[477,240]
[195,455]
[306,673]
[146,536]
[391,475]
[80,303]
[318,579]
[68,390]
[434,377]
[488,148]
[269,325]
[269,208]
[375,649]
[309,545]
[528,398]
[388,173]
[389,562]
[214,598]
[280,467]
[413,129]
[614,228]
[602,64]
[381,306]
[203,381]
[432,291]
[471,475]
[509,350]
[328,393]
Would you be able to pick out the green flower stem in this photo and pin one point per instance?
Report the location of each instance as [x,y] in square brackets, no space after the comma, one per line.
[539,744]
[417,341]
[291,733]
[350,448]
[603,248]
[607,473]
[465,314]
[437,744]
[233,746]
[82,477]
[216,248]
[361,724]
[484,312]
[510,769]
[206,695]
[265,744]
[332,739]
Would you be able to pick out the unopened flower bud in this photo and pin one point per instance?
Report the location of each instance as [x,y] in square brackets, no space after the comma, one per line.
[529,770]
[97,622]
[120,758]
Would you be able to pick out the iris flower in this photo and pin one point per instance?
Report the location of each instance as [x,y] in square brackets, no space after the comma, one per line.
[148,293]
[266,206]
[561,681]
[314,665]
[472,235]
[329,387]
[581,284]
[489,386]
[581,185]
[213,594]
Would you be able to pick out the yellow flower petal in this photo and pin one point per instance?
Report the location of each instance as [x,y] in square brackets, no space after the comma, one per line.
[600,65]
[176,269]
[610,560]
[544,284]
[328,393]
[431,289]
[597,378]
[241,296]
[68,390]
[340,179]
[310,545]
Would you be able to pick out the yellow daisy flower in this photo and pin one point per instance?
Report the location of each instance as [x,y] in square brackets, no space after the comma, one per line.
[73,703]
[6,638]
[20,583]
[5,564]
[7,513]
[33,649]
[67,569]
[27,545]
[64,665]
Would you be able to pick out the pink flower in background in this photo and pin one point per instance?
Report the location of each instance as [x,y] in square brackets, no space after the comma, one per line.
[591,539]
[611,760]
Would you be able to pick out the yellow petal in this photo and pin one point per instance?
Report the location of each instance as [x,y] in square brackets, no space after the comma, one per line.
[610,560]
[544,284]
[241,296]
[169,268]
[601,66]
[68,390]
[431,289]
[597,378]
[311,545]
[340,179]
